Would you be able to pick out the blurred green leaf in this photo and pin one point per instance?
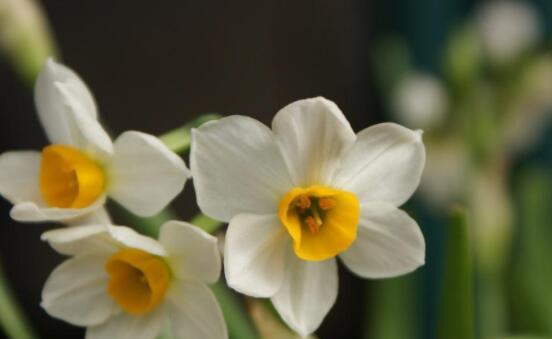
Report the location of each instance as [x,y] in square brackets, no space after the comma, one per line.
[532,272]
[457,303]
[12,320]
[392,302]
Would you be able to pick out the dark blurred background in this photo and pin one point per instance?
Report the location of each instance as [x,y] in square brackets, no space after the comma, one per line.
[155,66]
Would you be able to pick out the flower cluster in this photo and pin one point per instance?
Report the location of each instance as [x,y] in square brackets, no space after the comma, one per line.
[296,197]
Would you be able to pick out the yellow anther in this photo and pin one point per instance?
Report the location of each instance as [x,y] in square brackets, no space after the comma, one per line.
[313,224]
[326,203]
[303,202]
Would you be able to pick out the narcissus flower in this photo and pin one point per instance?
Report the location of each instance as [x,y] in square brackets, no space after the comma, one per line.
[72,177]
[303,193]
[120,284]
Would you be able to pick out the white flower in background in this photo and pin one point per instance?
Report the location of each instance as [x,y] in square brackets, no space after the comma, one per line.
[420,101]
[507,28]
[120,284]
[303,193]
[72,177]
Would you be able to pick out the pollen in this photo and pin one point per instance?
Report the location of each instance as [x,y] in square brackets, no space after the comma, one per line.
[303,202]
[69,178]
[322,221]
[326,203]
[138,281]
[313,224]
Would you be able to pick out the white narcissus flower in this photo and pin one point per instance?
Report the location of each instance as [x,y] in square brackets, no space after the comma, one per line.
[120,284]
[303,193]
[73,176]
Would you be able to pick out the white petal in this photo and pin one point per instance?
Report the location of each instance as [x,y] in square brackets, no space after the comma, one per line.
[144,174]
[76,291]
[194,312]
[126,326]
[106,238]
[308,293]
[193,253]
[237,168]
[36,212]
[312,134]
[51,104]
[389,243]
[98,217]
[384,164]
[79,240]
[88,135]
[127,237]
[19,176]
[255,248]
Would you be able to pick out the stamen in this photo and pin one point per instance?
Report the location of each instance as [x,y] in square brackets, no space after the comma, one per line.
[326,203]
[303,202]
[313,224]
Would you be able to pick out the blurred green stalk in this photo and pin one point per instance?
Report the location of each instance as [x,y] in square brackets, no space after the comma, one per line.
[12,321]
[179,140]
[457,303]
[25,37]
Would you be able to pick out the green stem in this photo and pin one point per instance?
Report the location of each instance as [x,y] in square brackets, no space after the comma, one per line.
[179,140]
[239,325]
[12,320]
[205,223]
[457,303]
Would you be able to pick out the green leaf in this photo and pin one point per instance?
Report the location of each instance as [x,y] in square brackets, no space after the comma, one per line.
[392,302]
[532,272]
[457,303]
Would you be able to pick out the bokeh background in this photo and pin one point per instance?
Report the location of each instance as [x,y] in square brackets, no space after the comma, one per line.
[476,76]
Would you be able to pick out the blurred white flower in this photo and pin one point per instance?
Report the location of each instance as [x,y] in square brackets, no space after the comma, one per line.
[72,177]
[507,28]
[303,193]
[120,284]
[420,101]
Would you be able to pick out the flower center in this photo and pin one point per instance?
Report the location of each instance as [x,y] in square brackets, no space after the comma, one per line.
[322,221]
[69,178]
[138,280]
